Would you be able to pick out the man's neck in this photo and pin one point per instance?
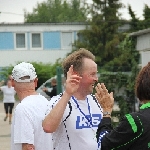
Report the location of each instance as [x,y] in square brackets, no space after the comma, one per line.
[22,95]
[80,96]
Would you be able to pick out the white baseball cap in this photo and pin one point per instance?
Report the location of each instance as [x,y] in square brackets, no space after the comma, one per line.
[23,69]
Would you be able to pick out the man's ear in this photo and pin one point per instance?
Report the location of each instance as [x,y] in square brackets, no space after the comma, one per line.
[12,82]
[36,81]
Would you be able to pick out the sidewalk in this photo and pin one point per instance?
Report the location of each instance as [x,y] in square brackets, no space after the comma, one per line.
[5,130]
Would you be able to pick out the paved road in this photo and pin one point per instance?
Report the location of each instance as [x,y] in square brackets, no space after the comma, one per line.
[5,129]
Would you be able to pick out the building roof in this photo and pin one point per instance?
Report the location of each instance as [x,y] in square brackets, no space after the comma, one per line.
[29,24]
[140,32]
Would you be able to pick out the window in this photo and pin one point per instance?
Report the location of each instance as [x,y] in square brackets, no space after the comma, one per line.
[36,40]
[80,37]
[20,40]
[67,40]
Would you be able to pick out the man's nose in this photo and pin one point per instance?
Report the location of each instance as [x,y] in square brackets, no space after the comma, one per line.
[96,78]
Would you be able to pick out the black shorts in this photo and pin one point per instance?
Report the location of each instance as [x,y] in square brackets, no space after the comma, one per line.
[8,107]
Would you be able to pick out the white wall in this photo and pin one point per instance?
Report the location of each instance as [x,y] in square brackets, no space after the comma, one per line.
[12,57]
[143,42]
[145,57]
[40,27]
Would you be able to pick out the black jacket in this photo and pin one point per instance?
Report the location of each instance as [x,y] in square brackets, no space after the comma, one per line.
[53,92]
[132,133]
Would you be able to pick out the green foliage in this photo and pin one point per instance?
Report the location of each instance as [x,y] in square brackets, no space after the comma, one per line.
[123,105]
[101,37]
[137,24]
[116,82]
[146,15]
[5,72]
[119,76]
[126,59]
[44,71]
[57,11]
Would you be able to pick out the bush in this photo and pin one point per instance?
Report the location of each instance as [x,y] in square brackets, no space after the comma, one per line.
[44,71]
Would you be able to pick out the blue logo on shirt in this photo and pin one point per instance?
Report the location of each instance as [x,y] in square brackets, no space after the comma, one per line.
[85,121]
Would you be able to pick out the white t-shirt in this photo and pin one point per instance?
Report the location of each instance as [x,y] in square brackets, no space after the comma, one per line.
[76,132]
[27,124]
[8,94]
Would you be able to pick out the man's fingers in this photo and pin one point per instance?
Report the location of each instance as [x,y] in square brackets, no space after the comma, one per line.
[111,94]
[104,88]
[97,96]
[70,71]
[75,80]
[101,89]
[98,88]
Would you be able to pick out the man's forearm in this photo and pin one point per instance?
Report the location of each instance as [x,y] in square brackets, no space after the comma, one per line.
[53,119]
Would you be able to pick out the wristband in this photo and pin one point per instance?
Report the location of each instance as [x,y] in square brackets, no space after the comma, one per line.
[106,113]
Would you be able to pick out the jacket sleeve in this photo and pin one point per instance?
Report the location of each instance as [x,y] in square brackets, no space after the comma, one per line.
[52,93]
[48,93]
[121,137]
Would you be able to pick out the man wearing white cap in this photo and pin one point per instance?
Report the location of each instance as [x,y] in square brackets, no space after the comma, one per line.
[26,131]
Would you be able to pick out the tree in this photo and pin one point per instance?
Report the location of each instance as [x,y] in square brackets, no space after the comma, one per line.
[57,11]
[136,24]
[146,15]
[122,81]
[101,36]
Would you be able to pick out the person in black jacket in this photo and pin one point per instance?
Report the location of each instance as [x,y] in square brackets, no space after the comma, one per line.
[133,132]
[53,89]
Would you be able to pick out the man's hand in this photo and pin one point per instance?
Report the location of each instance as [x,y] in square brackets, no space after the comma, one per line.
[72,81]
[104,98]
[44,89]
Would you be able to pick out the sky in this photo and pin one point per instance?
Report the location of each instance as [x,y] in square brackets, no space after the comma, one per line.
[12,11]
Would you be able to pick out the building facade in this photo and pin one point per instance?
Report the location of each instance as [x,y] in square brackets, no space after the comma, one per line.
[143,45]
[37,42]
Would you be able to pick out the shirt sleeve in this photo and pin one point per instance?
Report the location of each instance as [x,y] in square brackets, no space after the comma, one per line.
[23,126]
[52,92]
[121,137]
[52,103]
